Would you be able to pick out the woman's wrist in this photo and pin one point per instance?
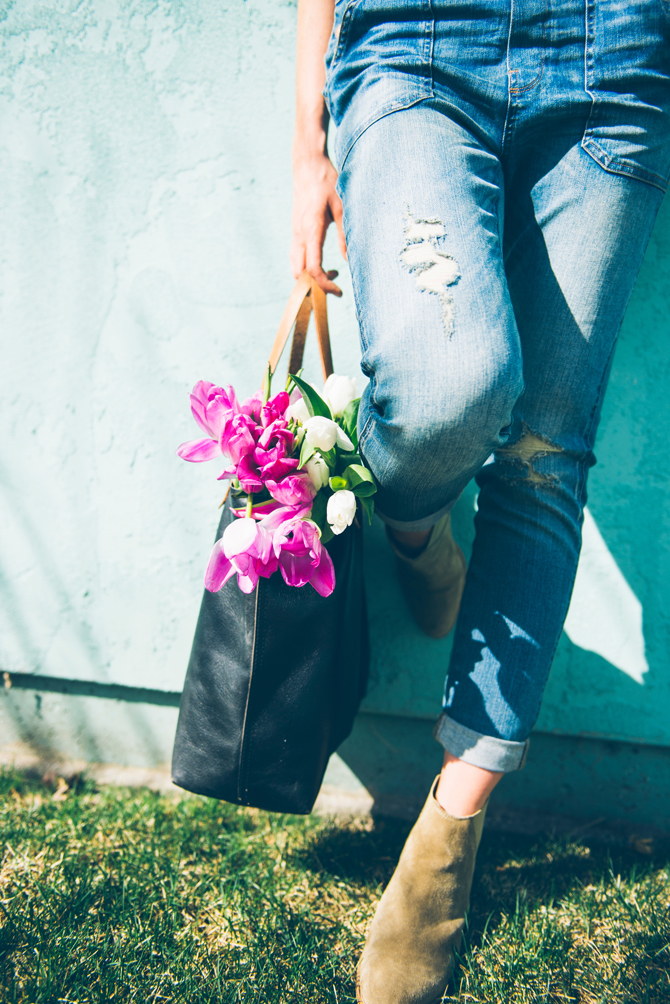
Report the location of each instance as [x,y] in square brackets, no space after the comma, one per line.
[310,137]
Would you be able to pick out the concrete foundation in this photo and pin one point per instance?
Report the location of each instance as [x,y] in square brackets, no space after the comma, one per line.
[385,767]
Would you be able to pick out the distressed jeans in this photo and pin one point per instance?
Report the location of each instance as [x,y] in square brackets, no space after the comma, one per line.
[501,166]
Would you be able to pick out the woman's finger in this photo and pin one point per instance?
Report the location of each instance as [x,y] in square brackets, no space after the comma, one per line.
[315,269]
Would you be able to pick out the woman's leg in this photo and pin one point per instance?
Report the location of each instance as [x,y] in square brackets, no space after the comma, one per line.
[574,240]
[575,236]
[441,348]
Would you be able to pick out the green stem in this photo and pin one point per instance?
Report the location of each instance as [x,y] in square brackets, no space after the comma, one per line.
[267,383]
[250,505]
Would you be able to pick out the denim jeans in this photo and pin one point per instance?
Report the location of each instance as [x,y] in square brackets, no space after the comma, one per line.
[501,166]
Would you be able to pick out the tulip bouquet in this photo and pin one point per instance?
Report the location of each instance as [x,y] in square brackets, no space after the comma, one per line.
[295,471]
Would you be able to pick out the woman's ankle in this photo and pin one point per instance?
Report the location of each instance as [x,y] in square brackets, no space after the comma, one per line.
[464,789]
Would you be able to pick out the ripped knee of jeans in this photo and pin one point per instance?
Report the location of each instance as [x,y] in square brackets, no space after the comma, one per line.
[521,457]
[433,270]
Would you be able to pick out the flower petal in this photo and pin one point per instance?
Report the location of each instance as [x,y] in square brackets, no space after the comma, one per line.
[292,490]
[284,514]
[248,476]
[219,569]
[297,569]
[239,537]
[323,578]
[344,442]
[247,583]
[196,451]
[229,472]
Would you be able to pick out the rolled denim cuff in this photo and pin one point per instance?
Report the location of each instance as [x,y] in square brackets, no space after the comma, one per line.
[416,525]
[480,750]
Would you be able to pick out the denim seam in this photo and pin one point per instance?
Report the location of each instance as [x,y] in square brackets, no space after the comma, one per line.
[363,437]
[536,80]
[430,45]
[345,25]
[613,165]
[396,107]
[507,126]
[530,86]
[620,165]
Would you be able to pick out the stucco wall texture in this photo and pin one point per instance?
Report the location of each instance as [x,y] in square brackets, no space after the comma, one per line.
[145,206]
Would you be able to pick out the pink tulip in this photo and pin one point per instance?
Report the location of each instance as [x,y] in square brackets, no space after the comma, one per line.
[253,406]
[248,475]
[274,464]
[277,434]
[296,489]
[212,406]
[213,409]
[239,438]
[302,557]
[275,408]
[284,514]
[246,548]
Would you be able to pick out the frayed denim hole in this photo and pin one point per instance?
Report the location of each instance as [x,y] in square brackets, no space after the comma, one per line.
[434,270]
[521,455]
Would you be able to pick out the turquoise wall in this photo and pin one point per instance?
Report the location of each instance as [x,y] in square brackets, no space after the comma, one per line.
[145,206]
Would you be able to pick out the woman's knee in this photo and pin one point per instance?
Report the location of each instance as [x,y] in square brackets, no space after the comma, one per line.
[463,411]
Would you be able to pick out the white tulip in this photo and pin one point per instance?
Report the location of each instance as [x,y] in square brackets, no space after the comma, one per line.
[298,411]
[318,470]
[339,391]
[321,433]
[344,442]
[341,510]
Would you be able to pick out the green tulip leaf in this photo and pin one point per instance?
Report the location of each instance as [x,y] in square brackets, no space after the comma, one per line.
[326,534]
[364,490]
[330,456]
[313,400]
[356,474]
[306,451]
[350,420]
[368,508]
[319,504]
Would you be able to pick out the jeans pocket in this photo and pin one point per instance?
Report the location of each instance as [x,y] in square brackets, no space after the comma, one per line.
[344,12]
[628,80]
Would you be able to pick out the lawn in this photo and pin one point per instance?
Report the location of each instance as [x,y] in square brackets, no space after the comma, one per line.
[119,895]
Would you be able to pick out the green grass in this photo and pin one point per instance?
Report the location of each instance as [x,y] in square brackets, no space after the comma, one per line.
[119,895]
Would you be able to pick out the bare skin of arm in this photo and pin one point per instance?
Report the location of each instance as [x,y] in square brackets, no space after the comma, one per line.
[316,204]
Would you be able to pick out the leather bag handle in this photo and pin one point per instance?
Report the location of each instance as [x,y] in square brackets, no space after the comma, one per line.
[307,296]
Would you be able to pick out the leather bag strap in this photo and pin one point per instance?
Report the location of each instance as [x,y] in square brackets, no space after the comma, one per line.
[307,295]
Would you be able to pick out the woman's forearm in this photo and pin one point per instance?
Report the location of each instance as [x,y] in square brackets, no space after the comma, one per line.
[315,23]
[316,203]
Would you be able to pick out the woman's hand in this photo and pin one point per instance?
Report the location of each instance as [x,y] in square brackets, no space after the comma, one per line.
[316,203]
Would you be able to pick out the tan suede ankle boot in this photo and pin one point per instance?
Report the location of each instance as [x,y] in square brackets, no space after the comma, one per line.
[432,583]
[409,952]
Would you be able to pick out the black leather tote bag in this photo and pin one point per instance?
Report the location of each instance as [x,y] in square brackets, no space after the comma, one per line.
[275,676]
